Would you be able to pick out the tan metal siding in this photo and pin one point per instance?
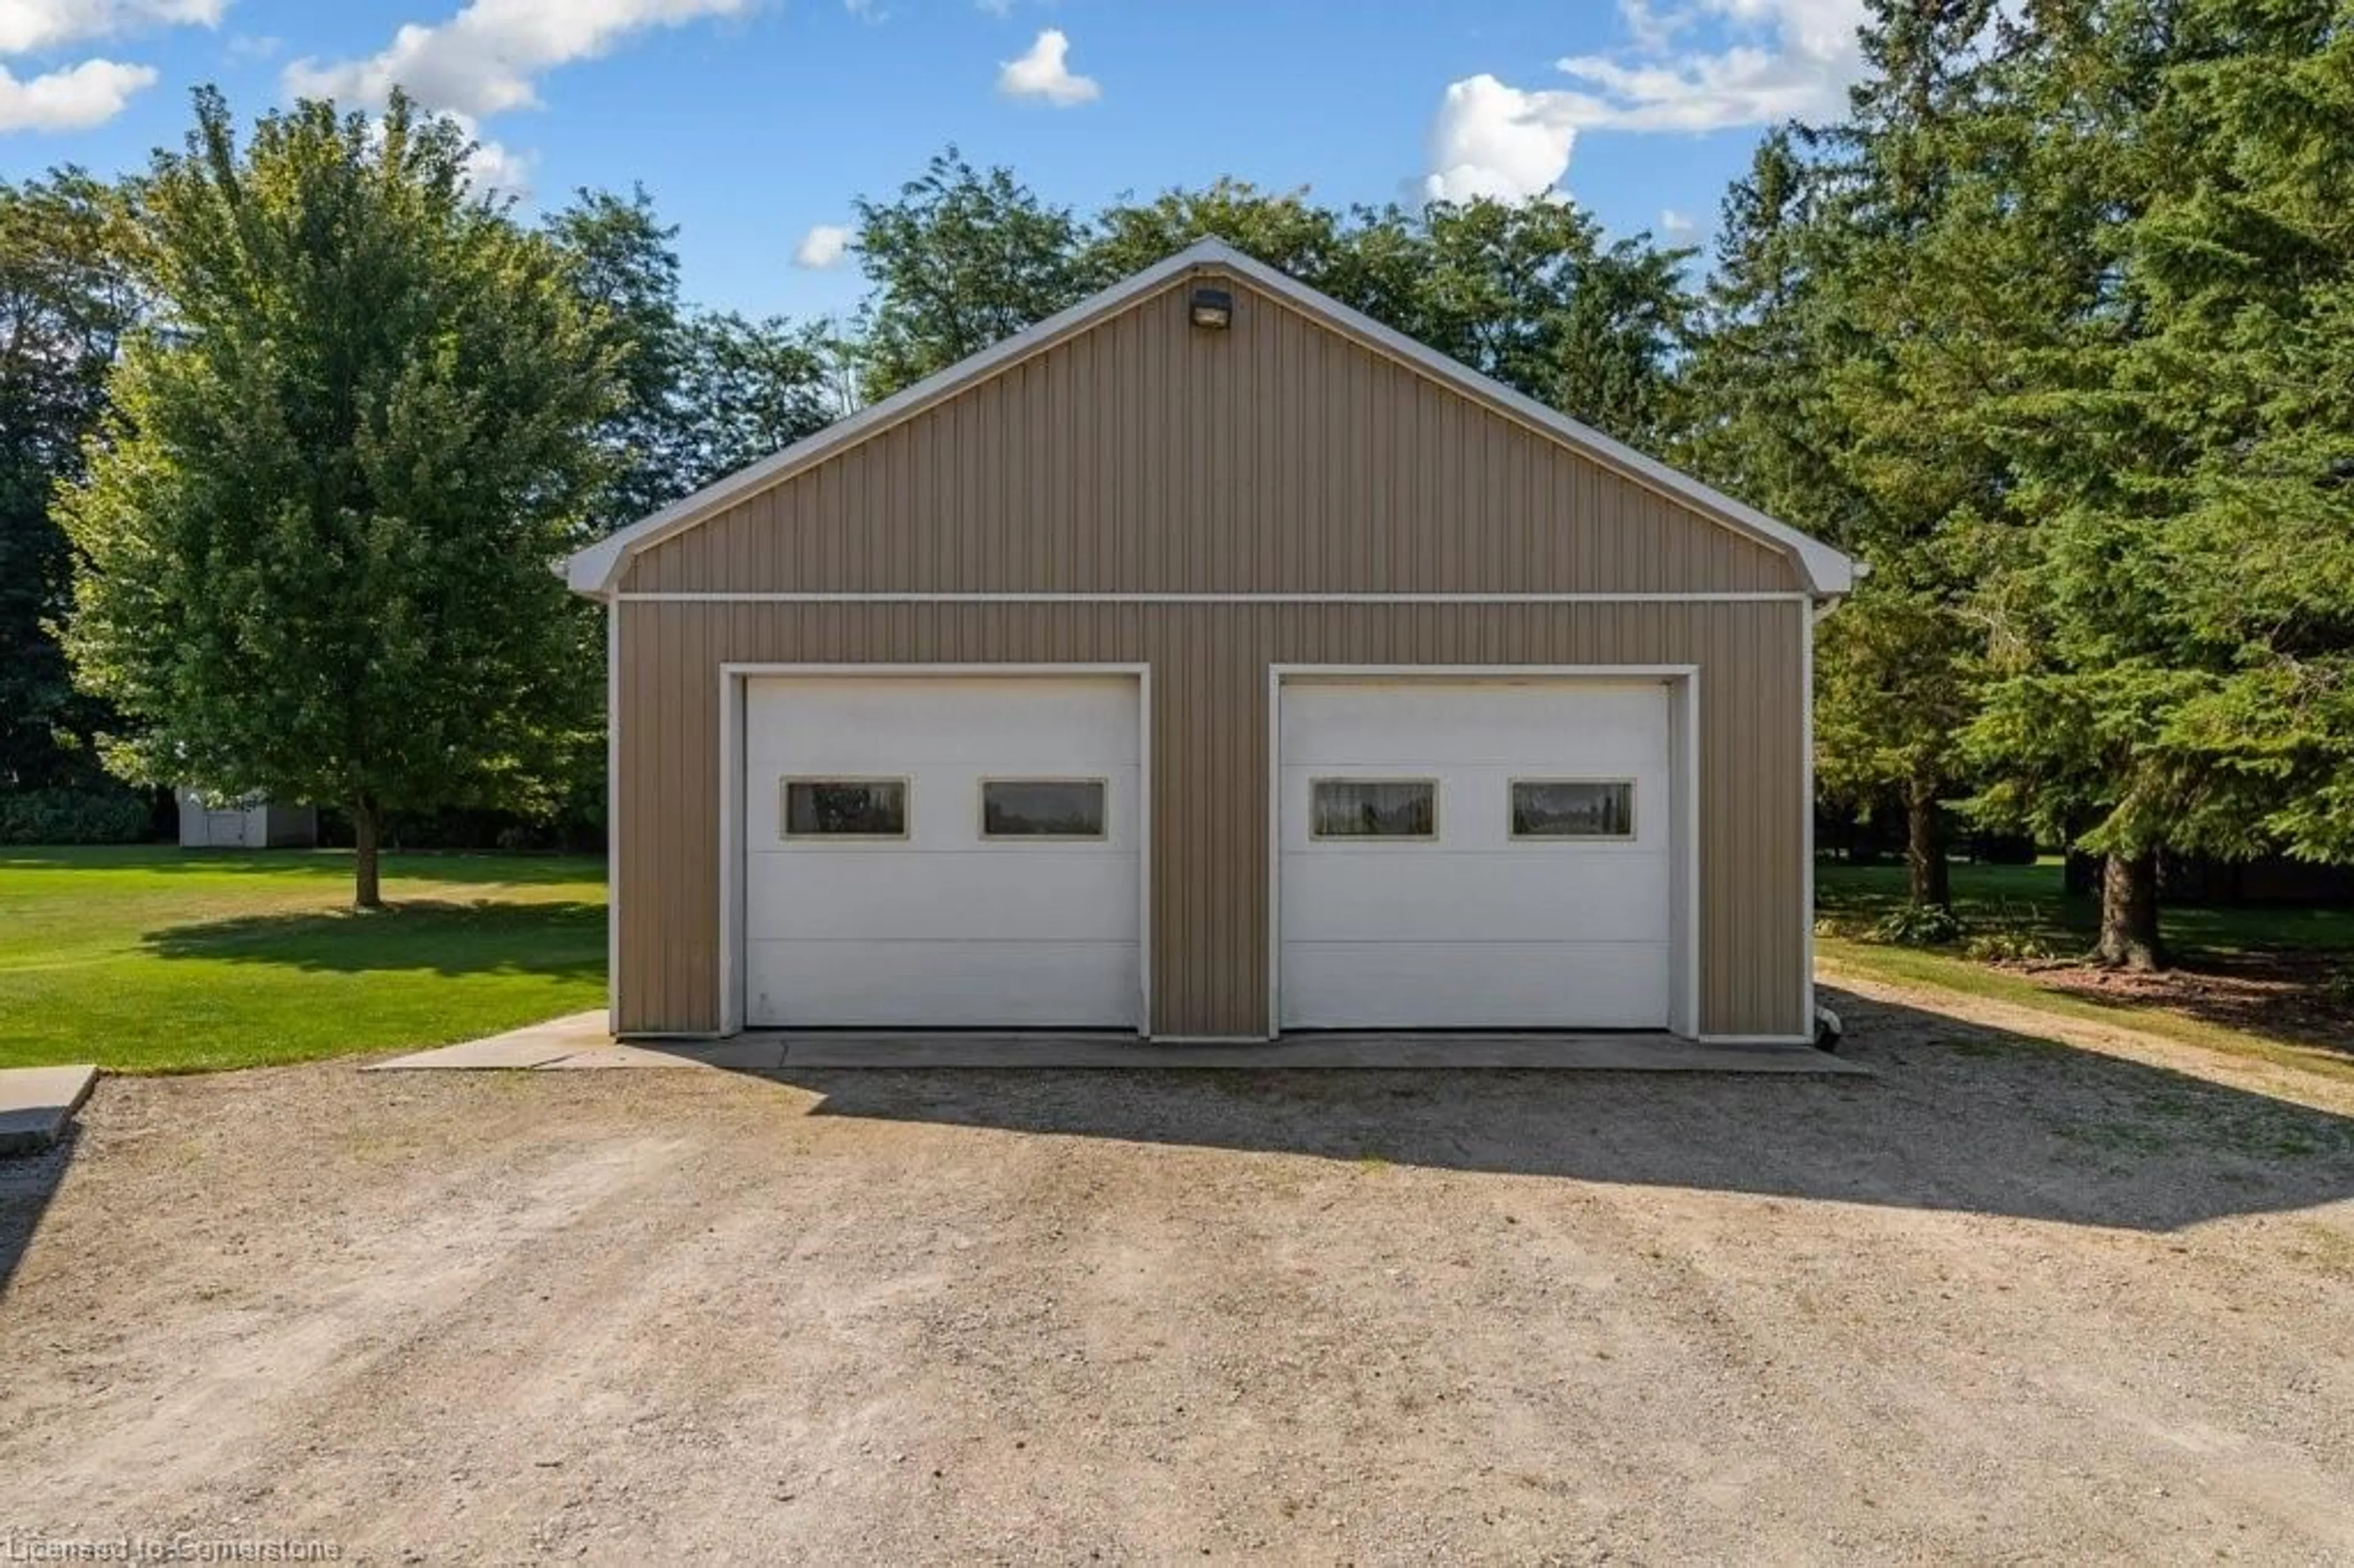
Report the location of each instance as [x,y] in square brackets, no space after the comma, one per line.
[1209,731]
[1145,456]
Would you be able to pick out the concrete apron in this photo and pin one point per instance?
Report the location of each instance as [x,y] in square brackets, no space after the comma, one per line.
[37,1103]
[580,1041]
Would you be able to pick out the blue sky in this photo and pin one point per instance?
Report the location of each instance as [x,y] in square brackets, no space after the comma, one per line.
[755,122]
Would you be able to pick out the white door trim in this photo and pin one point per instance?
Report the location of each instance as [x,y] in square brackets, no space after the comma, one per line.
[732,681]
[1683,751]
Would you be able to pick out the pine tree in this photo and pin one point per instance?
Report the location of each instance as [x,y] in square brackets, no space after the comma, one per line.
[1839,381]
[2178,648]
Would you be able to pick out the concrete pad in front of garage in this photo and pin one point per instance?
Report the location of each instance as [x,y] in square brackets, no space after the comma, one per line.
[744,1053]
[1630,1053]
[35,1103]
[580,1041]
[534,1046]
[760,1053]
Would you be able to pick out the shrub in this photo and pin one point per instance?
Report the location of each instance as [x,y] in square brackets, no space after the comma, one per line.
[99,815]
[1918,925]
[2007,947]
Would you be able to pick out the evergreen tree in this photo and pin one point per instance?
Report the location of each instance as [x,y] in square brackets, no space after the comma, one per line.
[1930,274]
[2179,650]
[1839,382]
[1755,417]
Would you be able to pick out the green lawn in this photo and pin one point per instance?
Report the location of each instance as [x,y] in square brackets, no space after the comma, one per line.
[160,960]
[2026,901]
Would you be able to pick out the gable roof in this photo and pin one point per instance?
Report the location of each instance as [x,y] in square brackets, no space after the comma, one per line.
[596,569]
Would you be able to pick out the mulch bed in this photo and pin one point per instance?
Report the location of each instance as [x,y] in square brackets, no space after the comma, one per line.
[2285,995]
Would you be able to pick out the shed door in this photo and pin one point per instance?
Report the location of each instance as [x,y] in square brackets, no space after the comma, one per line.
[1475,854]
[955,851]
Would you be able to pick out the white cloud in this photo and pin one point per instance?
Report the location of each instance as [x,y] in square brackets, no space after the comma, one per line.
[491,165]
[74,99]
[495,167]
[1793,58]
[1778,59]
[1646,28]
[27,26]
[487,57]
[1677,226]
[824,246]
[89,92]
[1042,74]
[1490,140]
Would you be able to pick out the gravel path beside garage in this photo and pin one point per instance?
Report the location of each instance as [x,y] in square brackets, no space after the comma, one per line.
[2006,1301]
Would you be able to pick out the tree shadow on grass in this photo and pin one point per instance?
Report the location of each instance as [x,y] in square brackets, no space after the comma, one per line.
[566,939]
[1961,1118]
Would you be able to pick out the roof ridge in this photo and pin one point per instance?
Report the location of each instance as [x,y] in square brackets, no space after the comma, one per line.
[596,568]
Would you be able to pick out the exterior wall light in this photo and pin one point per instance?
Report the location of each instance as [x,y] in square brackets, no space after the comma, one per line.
[1212,309]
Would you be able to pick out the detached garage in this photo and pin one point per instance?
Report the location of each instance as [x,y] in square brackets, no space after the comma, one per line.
[1210,662]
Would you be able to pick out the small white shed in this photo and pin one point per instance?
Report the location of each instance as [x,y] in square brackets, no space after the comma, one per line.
[251,824]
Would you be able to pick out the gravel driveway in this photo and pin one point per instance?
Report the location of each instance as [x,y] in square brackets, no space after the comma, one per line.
[2006,1302]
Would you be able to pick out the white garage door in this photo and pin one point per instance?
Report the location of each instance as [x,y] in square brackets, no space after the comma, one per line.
[958,852]
[1477,854]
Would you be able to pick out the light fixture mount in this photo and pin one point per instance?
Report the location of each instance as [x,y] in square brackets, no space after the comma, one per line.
[1211,308]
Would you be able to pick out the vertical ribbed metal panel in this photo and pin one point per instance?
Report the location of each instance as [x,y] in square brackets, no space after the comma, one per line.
[1146,456]
[1209,767]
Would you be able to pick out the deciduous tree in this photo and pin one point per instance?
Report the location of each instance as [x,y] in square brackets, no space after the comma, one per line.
[1285,229]
[318,526]
[959,260]
[624,267]
[66,300]
[748,388]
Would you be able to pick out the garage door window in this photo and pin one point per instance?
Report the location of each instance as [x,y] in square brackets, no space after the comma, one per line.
[1573,808]
[1373,809]
[845,808]
[1042,808]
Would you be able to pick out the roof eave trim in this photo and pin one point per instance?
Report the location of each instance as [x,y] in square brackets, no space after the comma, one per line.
[596,571]
[1829,572]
